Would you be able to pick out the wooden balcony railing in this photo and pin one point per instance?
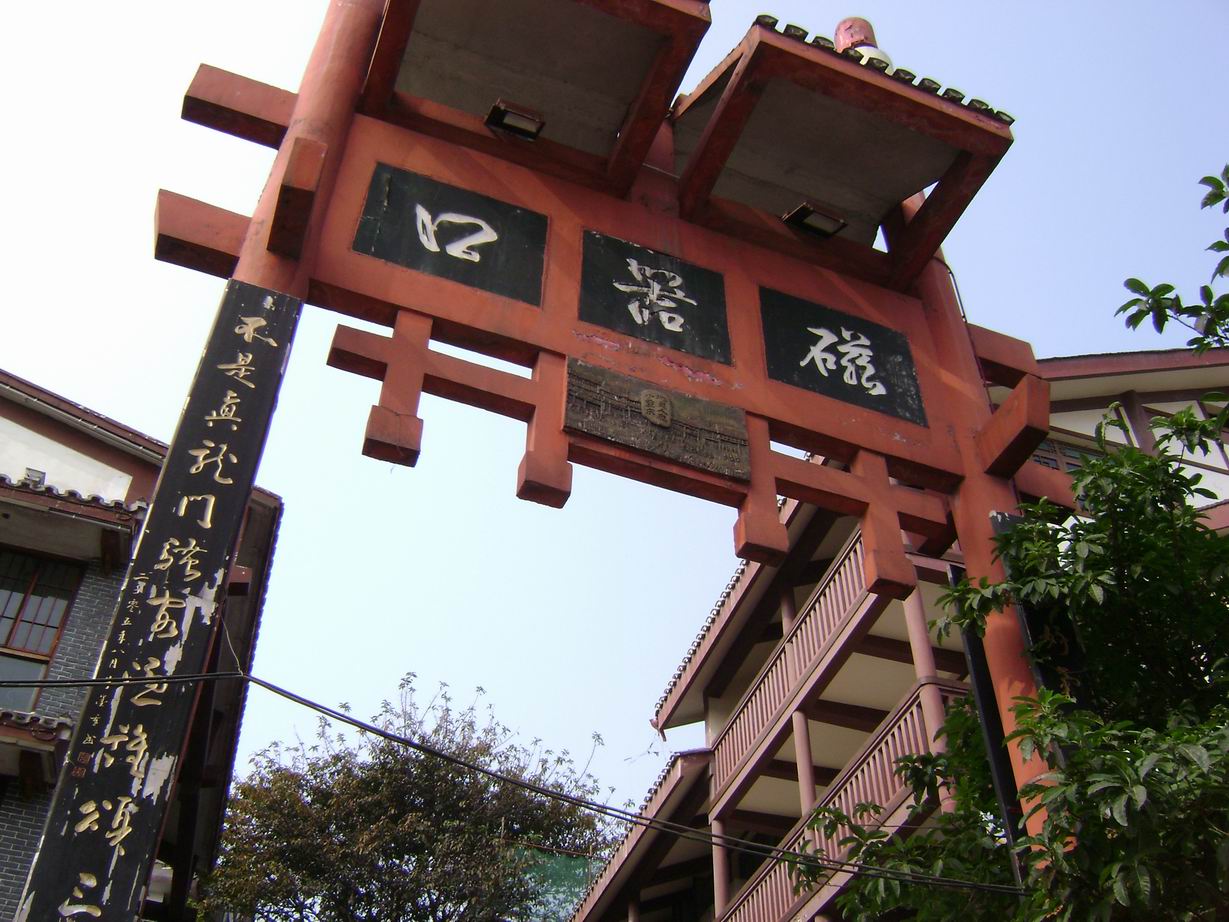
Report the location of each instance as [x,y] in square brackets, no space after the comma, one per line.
[769,896]
[833,600]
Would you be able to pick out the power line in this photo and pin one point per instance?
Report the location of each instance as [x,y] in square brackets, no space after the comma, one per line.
[676,829]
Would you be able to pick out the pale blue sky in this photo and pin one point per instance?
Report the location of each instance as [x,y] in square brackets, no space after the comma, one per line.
[572,620]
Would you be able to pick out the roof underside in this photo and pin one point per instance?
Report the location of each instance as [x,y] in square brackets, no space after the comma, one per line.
[576,65]
[801,145]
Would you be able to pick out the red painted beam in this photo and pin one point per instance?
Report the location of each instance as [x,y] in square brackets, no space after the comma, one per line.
[296,196]
[395,29]
[1004,359]
[721,134]
[1016,428]
[646,114]
[197,235]
[238,106]
[920,238]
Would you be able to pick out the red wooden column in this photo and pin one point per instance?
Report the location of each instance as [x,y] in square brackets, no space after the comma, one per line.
[926,671]
[801,726]
[721,869]
[978,495]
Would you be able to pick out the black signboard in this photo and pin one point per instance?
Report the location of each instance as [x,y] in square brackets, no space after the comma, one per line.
[105,819]
[654,297]
[453,233]
[840,356]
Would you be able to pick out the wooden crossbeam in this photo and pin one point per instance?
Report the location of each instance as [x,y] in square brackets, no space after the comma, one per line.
[408,369]
[682,870]
[238,106]
[898,651]
[1016,427]
[842,714]
[788,771]
[756,821]
[197,235]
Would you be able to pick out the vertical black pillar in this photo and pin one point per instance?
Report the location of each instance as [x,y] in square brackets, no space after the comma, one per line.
[114,787]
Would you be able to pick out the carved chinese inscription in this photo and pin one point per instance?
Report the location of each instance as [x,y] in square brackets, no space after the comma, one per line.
[839,355]
[654,297]
[115,784]
[453,233]
[698,433]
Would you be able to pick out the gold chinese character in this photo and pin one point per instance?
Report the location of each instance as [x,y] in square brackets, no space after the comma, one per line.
[226,412]
[145,697]
[206,519]
[91,812]
[69,910]
[187,554]
[164,626]
[240,368]
[247,329]
[220,455]
[134,741]
[121,822]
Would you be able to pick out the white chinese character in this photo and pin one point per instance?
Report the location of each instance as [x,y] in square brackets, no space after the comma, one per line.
[460,248]
[856,358]
[658,289]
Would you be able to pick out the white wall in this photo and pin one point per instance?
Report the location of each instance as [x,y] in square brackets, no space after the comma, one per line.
[66,468]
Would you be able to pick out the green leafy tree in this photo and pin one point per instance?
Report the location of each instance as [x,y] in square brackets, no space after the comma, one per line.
[1207,317]
[1133,801]
[367,829]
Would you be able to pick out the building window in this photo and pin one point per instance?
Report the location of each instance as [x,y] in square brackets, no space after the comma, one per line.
[35,595]
[1063,456]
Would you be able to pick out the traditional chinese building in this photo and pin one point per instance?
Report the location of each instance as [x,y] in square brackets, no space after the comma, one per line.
[74,486]
[810,686]
[736,293]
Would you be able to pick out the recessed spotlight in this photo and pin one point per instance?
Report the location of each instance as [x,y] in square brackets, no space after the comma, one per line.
[515,120]
[814,220]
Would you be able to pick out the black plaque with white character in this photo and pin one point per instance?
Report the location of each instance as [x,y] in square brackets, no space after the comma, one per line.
[841,356]
[653,296]
[442,230]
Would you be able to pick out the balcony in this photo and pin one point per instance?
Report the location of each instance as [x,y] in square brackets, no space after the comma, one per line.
[769,895]
[839,609]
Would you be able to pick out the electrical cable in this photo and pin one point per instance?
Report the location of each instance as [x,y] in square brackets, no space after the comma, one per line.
[676,829]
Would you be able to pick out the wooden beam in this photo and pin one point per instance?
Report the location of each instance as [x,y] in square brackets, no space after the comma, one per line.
[295,197]
[238,106]
[191,233]
[1043,482]
[919,241]
[788,771]
[812,571]
[898,652]
[1004,359]
[721,133]
[395,30]
[1016,428]
[695,867]
[646,114]
[657,850]
[841,714]
[770,823]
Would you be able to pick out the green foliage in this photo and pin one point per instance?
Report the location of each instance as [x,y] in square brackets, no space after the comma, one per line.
[1208,317]
[368,829]
[1138,578]
[962,843]
[1131,807]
